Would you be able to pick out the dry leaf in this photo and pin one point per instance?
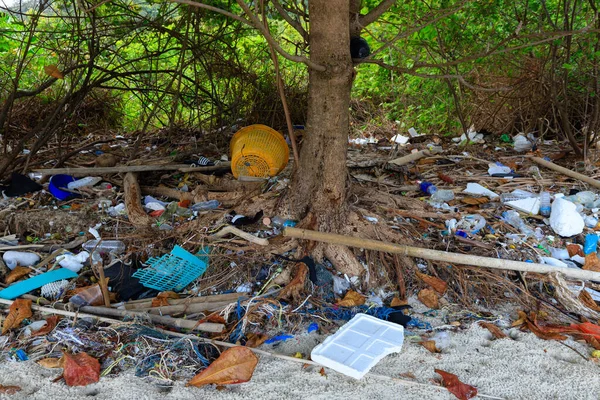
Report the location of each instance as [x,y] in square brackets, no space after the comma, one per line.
[352,299]
[16,274]
[396,302]
[575,249]
[430,345]
[543,332]
[51,323]
[586,298]
[52,362]
[53,71]
[322,372]
[162,299]
[18,311]
[474,201]
[293,291]
[445,178]
[256,339]
[235,365]
[436,283]
[80,369]
[9,389]
[461,390]
[592,263]
[429,298]
[494,330]
[408,375]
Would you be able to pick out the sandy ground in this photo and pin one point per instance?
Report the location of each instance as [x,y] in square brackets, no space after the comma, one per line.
[523,367]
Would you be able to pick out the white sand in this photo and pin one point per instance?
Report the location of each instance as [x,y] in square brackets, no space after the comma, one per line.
[525,368]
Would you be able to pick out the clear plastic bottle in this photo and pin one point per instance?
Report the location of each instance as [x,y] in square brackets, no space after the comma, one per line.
[545,207]
[514,219]
[205,206]
[428,187]
[280,222]
[105,246]
[84,182]
[515,195]
[442,195]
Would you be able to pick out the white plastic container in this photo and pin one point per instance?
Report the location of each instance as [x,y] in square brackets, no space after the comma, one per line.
[21,258]
[84,182]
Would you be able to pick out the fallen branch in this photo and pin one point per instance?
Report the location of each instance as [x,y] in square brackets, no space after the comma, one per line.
[130,168]
[235,231]
[436,255]
[566,171]
[411,157]
[136,214]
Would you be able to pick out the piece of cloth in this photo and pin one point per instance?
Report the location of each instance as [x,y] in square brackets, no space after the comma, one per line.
[19,185]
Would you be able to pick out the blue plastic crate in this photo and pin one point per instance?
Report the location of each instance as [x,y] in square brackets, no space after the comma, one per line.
[173,271]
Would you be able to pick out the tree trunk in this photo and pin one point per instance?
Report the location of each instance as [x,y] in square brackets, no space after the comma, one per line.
[319,187]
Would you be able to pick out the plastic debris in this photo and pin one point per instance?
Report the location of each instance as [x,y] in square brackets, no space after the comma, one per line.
[521,143]
[478,190]
[73,262]
[22,258]
[564,218]
[529,206]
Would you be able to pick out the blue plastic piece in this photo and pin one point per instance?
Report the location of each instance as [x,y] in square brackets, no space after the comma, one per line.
[61,181]
[21,355]
[173,271]
[428,187]
[313,327]
[591,244]
[26,286]
[279,338]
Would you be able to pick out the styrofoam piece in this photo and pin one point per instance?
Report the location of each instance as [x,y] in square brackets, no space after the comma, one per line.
[564,218]
[528,206]
[400,139]
[477,189]
[359,345]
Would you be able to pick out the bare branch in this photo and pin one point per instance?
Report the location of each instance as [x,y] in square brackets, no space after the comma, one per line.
[295,24]
[375,13]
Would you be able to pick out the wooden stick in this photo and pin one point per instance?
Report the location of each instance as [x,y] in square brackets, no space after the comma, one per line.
[235,231]
[410,158]
[217,298]
[568,172]
[436,255]
[136,214]
[21,247]
[130,168]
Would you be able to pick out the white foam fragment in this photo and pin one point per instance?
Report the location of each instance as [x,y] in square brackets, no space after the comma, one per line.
[400,139]
[477,189]
[359,345]
[564,218]
[530,205]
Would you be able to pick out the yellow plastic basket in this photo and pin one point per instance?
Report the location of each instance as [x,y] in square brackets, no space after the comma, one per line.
[258,151]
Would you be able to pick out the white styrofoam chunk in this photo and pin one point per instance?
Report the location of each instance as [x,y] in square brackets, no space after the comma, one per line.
[477,189]
[359,345]
[530,205]
[564,218]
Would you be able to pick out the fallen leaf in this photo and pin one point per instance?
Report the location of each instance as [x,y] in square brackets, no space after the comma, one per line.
[293,290]
[426,161]
[322,372]
[430,345]
[436,283]
[429,298]
[18,311]
[474,201]
[592,263]
[445,178]
[408,375]
[9,389]
[586,298]
[461,390]
[235,365]
[575,250]
[16,274]
[162,299]
[543,332]
[80,369]
[396,302]
[494,330]
[52,362]
[256,339]
[184,203]
[51,323]
[53,71]
[352,299]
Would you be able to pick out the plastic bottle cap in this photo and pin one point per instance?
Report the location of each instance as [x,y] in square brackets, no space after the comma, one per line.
[267,221]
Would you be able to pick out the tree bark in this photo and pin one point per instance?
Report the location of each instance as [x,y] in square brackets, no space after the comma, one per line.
[319,187]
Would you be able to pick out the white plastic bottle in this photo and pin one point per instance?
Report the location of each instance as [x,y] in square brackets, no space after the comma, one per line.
[21,258]
[84,182]
[545,207]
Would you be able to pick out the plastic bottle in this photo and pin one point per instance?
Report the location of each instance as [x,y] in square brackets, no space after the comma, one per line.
[84,182]
[21,258]
[428,187]
[515,195]
[442,195]
[545,206]
[514,219]
[90,296]
[105,246]
[560,254]
[279,222]
[205,206]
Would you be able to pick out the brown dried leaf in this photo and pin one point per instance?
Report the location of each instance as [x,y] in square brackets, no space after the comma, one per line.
[16,274]
[494,330]
[592,263]
[408,375]
[235,365]
[352,299]
[461,390]
[51,323]
[80,369]
[430,345]
[18,311]
[575,249]
[429,298]
[474,201]
[9,389]
[588,301]
[521,320]
[396,302]
[546,333]
[52,362]
[436,283]
[445,178]
[53,71]
[322,372]
[256,339]
[162,299]
[293,291]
